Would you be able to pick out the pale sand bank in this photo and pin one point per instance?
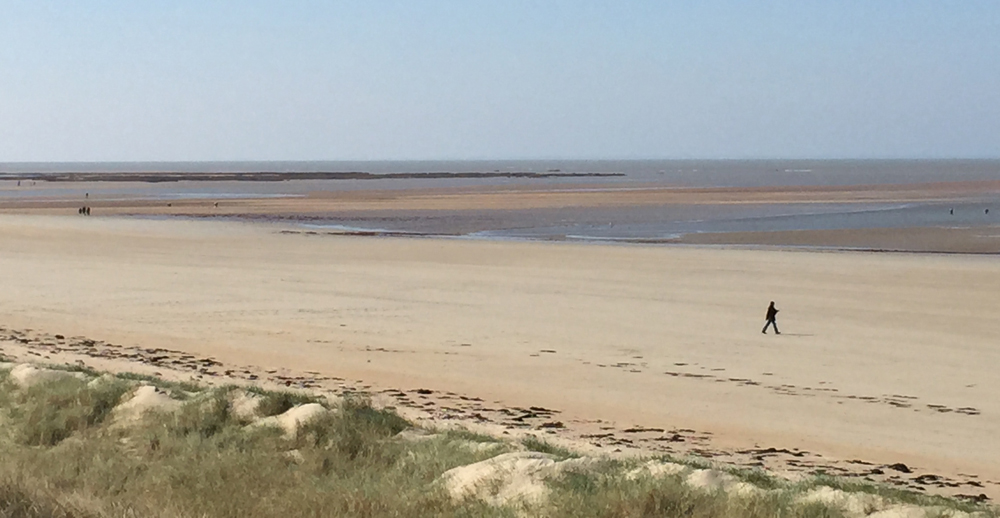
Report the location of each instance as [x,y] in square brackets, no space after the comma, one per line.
[654,336]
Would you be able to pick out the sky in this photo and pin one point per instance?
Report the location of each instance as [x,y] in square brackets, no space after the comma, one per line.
[194,80]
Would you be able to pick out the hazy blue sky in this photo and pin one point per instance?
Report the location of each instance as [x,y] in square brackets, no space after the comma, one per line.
[415,79]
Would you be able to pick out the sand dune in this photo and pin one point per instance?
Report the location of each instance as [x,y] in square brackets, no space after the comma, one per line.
[889,358]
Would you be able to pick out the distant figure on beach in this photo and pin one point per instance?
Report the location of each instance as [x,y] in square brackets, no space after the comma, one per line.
[87,211]
[86,195]
[987,211]
[951,211]
[772,315]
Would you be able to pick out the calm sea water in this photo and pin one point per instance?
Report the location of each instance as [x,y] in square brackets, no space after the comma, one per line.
[692,173]
[572,223]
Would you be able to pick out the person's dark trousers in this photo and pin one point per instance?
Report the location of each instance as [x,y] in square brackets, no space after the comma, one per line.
[771,322]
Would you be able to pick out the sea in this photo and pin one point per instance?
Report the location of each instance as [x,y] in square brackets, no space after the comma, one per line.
[575,224]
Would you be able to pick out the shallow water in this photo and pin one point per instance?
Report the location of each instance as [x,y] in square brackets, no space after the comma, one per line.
[659,222]
[666,222]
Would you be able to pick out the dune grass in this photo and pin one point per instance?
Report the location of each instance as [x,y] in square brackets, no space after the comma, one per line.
[278,402]
[470,436]
[62,455]
[46,414]
[892,493]
[18,502]
[606,492]
[532,443]
[61,458]
[757,477]
[179,389]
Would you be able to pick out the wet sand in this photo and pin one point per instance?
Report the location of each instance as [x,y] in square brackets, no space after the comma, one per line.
[513,197]
[885,358]
[969,240]
[488,208]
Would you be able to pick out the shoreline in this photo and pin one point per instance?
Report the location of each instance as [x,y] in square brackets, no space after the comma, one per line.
[901,218]
[680,241]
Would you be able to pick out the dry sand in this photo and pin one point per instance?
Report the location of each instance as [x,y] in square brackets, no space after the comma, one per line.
[884,358]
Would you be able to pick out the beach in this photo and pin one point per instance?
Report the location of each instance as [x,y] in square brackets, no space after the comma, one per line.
[883,358]
[500,259]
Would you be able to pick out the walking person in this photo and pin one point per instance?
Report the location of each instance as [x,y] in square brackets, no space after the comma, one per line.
[772,315]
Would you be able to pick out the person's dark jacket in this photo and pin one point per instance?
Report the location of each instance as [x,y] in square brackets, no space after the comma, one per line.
[772,312]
